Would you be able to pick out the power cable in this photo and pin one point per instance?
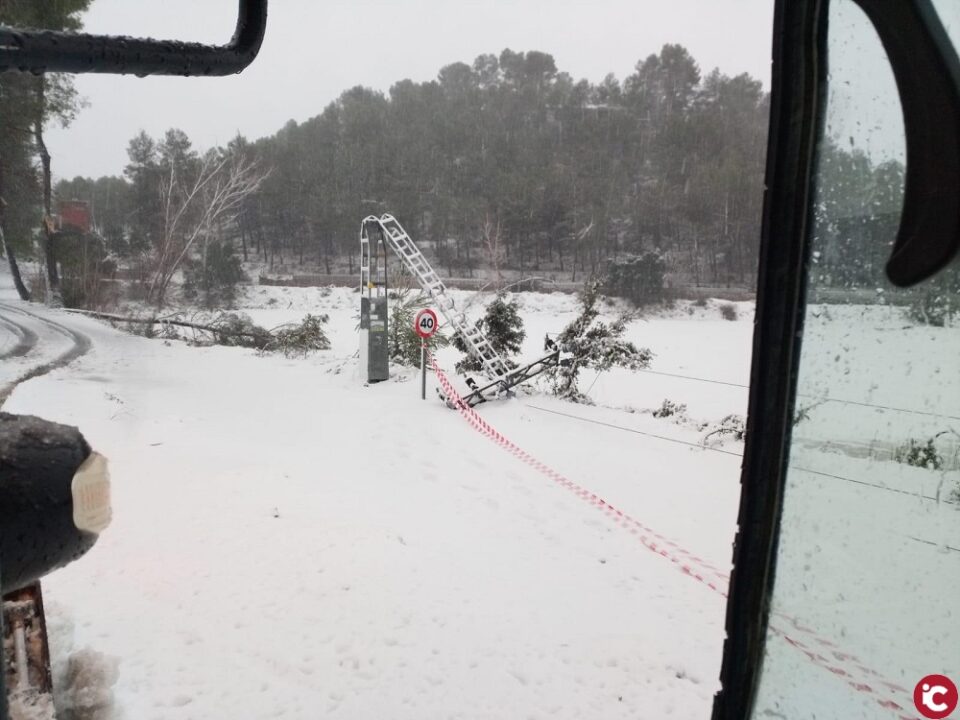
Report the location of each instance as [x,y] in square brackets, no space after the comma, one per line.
[828,399]
[698,446]
[730,452]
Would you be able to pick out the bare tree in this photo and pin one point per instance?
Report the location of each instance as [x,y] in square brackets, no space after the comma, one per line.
[194,208]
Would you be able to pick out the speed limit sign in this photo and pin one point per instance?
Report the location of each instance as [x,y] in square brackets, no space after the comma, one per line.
[425,323]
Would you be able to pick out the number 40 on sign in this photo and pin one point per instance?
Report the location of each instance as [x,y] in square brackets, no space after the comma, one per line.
[425,323]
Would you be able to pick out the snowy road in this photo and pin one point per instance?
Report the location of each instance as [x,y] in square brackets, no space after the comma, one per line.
[32,344]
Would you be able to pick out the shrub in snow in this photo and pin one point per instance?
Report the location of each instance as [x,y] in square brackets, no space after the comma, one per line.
[299,339]
[802,413]
[639,278]
[728,311]
[213,277]
[404,343]
[594,345]
[934,306]
[732,425]
[670,409]
[503,327]
[84,266]
[919,454]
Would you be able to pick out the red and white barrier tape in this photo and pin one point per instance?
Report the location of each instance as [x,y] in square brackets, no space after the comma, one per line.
[653,541]
[688,563]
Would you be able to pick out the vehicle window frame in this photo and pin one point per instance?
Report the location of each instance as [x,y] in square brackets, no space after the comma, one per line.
[798,111]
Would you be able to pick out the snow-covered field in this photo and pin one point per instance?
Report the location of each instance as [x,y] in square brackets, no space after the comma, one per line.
[288,542]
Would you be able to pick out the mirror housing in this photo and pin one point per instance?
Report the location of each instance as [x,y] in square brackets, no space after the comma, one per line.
[54,498]
[40,51]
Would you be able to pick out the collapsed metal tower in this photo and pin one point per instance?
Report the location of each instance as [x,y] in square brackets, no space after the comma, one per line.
[376,235]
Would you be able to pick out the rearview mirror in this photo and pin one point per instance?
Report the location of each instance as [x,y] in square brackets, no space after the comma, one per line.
[39,51]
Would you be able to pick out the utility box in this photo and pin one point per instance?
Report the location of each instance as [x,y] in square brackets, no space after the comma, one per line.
[374,343]
[374,346]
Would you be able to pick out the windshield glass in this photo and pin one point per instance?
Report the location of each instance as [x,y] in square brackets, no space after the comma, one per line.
[866,564]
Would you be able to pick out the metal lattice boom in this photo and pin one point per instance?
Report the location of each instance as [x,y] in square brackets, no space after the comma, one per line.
[415,261]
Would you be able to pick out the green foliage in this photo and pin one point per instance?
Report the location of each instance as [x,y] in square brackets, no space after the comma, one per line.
[46,14]
[297,340]
[239,330]
[856,214]
[28,102]
[109,199]
[502,326]
[85,264]
[639,278]
[562,173]
[919,454]
[728,311]
[403,341]
[669,408]
[731,425]
[20,191]
[213,278]
[595,345]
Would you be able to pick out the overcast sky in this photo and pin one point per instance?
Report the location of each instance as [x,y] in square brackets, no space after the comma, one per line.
[315,49]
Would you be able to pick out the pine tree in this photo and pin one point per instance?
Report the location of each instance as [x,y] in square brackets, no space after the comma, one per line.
[31,103]
[593,345]
[214,277]
[639,278]
[403,341]
[503,327]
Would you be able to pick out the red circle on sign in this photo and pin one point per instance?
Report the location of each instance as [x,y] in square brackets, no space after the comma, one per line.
[425,323]
[935,696]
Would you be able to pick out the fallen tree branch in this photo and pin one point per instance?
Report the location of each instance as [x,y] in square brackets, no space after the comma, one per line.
[164,321]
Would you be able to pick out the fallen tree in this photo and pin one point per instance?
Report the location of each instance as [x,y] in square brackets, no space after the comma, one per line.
[223,328]
[235,329]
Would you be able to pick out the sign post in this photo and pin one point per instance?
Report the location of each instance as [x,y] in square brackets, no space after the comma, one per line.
[425,325]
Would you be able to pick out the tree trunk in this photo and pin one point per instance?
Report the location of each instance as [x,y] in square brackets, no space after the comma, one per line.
[14,267]
[55,297]
[7,248]
[242,222]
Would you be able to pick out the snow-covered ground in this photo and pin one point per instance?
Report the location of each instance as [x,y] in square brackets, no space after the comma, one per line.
[288,542]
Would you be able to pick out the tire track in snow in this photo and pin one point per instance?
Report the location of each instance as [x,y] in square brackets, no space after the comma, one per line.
[27,338]
[80,345]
